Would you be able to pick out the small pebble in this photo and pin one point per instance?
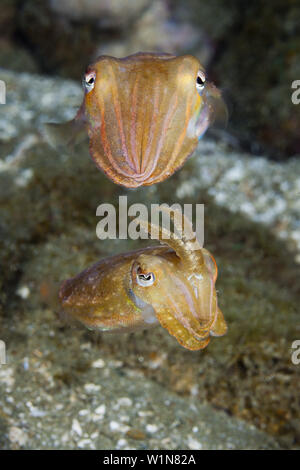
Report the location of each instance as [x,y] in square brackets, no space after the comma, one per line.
[152,428]
[23,292]
[136,434]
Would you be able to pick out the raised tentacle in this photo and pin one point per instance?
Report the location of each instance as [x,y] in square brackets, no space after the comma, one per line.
[192,252]
[183,245]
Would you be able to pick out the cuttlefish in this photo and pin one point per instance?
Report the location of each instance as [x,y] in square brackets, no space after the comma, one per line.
[172,284]
[143,114]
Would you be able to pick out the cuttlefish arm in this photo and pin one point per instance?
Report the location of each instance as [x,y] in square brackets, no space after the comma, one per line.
[69,134]
[183,240]
[219,326]
[217,109]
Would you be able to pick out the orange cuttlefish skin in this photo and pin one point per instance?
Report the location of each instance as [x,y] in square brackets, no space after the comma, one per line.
[172,284]
[144,115]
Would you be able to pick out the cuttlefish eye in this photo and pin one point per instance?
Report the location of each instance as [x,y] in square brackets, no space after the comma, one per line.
[145,280]
[89,81]
[200,81]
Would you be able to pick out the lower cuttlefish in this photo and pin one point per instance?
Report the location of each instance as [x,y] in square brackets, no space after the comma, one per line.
[172,284]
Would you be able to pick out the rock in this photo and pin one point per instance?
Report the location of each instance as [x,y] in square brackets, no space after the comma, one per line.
[155,30]
[106,13]
[179,423]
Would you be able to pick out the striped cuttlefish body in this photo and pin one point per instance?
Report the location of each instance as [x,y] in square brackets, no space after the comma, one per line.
[172,284]
[144,115]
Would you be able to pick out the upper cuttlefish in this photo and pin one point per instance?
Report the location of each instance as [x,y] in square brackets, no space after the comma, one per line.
[144,115]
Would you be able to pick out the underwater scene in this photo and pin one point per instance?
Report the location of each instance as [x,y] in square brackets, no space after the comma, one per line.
[149,225]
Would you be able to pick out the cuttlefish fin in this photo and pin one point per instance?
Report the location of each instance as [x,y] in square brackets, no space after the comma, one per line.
[219,327]
[218,111]
[67,134]
[183,336]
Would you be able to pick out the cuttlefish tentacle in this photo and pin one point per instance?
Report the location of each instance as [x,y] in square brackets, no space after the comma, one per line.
[183,240]
[192,256]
